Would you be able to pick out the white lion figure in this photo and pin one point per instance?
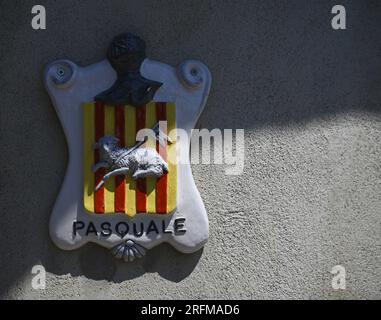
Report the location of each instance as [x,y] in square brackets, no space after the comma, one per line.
[140,162]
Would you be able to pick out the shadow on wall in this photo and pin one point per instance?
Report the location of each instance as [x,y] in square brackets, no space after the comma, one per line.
[98,263]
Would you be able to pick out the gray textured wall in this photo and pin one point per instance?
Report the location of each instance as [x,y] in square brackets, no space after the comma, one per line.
[309,100]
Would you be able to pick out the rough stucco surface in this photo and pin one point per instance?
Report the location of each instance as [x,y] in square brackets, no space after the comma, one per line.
[309,100]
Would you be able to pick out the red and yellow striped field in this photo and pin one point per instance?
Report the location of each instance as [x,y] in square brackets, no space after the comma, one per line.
[122,194]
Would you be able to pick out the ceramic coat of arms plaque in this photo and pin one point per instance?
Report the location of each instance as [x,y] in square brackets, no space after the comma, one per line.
[128,185]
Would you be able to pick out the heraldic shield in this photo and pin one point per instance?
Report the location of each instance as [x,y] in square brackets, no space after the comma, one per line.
[128,121]
[122,193]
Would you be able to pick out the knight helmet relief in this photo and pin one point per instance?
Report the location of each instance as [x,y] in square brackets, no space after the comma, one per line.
[128,184]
